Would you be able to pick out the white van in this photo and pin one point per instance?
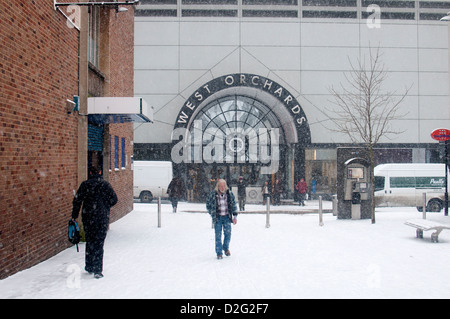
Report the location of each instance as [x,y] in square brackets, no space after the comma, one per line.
[151,179]
[404,185]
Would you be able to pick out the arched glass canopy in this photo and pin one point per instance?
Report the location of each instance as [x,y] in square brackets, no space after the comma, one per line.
[237,113]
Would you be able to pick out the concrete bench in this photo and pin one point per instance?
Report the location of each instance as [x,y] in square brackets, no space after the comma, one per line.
[422,225]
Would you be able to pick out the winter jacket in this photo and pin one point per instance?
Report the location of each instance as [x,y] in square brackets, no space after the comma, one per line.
[302,187]
[241,189]
[213,209]
[97,197]
[175,188]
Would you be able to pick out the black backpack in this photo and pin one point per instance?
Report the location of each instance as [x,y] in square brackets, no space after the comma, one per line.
[74,233]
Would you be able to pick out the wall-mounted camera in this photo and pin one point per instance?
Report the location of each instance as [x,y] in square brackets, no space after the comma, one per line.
[73,106]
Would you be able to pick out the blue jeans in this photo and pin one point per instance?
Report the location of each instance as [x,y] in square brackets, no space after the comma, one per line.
[223,222]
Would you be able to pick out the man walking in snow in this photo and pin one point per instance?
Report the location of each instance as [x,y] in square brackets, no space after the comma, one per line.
[242,196]
[97,197]
[221,205]
[302,189]
[175,191]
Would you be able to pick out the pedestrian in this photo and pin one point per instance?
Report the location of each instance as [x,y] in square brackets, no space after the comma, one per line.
[97,197]
[175,191]
[221,205]
[242,195]
[265,190]
[302,189]
[190,189]
[313,188]
[277,191]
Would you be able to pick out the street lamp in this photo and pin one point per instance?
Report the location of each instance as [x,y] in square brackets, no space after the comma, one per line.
[446,144]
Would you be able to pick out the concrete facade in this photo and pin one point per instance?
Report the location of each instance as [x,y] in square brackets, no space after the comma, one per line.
[307,47]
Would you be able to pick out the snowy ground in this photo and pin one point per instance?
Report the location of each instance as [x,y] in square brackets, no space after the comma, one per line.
[294,258]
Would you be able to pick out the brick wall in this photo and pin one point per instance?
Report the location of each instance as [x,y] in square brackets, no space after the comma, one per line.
[38,139]
[121,179]
[121,45]
[38,145]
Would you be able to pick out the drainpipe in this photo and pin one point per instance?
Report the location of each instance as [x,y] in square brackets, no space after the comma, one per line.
[83,92]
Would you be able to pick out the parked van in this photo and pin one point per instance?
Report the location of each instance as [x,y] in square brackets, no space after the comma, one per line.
[404,185]
[151,179]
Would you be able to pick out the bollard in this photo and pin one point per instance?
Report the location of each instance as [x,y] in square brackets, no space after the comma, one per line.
[335,202]
[320,212]
[424,210]
[267,212]
[159,212]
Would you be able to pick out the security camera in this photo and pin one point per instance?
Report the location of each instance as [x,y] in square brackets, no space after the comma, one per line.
[70,106]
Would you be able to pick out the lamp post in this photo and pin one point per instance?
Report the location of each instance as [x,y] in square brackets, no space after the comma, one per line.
[443,136]
[446,144]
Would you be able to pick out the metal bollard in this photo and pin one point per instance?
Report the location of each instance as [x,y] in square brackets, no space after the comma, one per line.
[267,212]
[335,202]
[320,212]
[424,209]
[159,212]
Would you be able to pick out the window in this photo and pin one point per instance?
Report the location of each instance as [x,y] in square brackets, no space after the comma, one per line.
[158,1]
[330,14]
[236,114]
[212,2]
[270,2]
[124,165]
[389,3]
[116,152]
[210,13]
[330,3]
[110,152]
[94,35]
[379,183]
[270,13]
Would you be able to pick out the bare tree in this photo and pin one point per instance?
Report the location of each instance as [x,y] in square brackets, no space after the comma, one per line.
[363,110]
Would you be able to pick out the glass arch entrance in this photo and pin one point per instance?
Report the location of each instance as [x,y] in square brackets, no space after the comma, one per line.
[237,123]
[238,112]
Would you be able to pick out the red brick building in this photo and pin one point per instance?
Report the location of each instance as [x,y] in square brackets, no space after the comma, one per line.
[45,151]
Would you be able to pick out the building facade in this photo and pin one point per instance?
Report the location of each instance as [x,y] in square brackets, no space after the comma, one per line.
[49,55]
[250,66]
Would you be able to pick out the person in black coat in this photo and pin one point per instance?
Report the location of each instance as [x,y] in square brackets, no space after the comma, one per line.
[175,191]
[97,197]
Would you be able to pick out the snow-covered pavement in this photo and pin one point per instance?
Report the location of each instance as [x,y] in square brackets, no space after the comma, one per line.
[294,258]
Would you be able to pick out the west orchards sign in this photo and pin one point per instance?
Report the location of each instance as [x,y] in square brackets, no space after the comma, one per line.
[285,98]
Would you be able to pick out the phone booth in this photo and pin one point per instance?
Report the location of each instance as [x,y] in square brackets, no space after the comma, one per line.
[353,178]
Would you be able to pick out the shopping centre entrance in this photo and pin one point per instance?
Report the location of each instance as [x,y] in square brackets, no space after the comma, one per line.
[240,125]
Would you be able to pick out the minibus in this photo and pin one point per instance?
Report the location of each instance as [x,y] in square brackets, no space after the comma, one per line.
[398,185]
